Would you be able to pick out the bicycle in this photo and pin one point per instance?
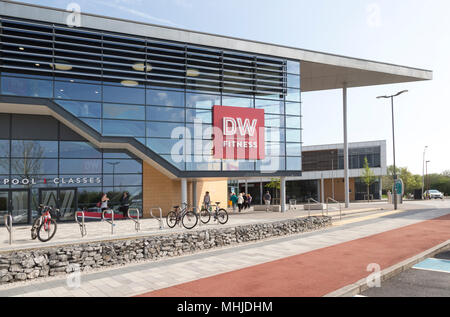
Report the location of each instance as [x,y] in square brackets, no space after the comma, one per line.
[188,218]
[44,227]
[220,214]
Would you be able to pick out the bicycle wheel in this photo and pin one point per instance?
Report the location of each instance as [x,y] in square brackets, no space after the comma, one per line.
[222,216]
[34,229]
[172,219]
[205,216]
[47,230]
[189,220]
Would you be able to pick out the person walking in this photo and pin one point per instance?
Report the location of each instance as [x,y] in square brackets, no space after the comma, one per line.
[249,201]
[240,202]
[245,197]
[124,204]
[267,200]
[104,202]
[234,201]
[207,201]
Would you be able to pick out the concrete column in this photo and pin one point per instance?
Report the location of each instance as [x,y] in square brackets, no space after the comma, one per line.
[194,194]
[246,186]
[283,194]
[184,195]
[381,187]
[261,194]
[346,176]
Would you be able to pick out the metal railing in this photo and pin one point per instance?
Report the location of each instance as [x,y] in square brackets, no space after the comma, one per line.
[336,202]
[292,204]
[161,222]
[82,224]
[9,226]
[136,220]
[309,205]
[111,222]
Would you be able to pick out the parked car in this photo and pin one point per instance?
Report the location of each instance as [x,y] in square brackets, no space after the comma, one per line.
[434,194]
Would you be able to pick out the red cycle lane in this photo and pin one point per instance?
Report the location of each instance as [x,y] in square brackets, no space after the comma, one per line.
[318,272]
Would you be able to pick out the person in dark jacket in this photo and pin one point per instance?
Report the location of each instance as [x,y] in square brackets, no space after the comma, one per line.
[125,204]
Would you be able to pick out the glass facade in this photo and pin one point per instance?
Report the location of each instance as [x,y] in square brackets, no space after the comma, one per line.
[59,169]
[154,91]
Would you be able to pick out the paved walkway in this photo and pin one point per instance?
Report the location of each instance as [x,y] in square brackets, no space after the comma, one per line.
[264,268]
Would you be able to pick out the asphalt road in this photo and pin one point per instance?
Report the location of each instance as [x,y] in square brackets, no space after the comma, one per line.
[430,278]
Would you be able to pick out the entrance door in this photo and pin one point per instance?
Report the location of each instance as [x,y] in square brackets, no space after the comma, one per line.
[15,203]
[64,199]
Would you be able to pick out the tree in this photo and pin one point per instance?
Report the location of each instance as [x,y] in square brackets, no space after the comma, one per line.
[368,177]
[275,184]
[410,181]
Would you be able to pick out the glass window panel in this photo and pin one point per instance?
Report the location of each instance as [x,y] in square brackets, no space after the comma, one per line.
[202,101]
[274,135]
[293,81]
[80,180]
[199,114]
[294,163]
[293,122]
[4,148]
[127,112]
[162,146]
[293,95]
[203,163]
[231,101]
[270,106]
[293,109]
[293,67]
[293,136]
[75,91]
[163,130]
[122,167]
[238,165]
[116,155]
[95,124]
[123,95]
[89,197]
[122,180]
[34,166]
[203,131]
[294,149]
[271,164]
[275,149]
[26,87]
[165,98]
[165,114]
[82,109]
[180,165]
[36,149]
[78,150]
[273,120]
[80,167]
[4,166]
[124,128]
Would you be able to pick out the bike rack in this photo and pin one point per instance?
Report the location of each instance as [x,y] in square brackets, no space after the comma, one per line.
[82,225]
[111,222]
[137,223]
[335,201]
[9,226]
[161,222]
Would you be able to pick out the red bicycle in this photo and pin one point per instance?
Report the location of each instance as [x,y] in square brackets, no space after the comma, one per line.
[44,227]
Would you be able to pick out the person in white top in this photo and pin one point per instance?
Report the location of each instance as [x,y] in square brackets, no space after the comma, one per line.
[240,202]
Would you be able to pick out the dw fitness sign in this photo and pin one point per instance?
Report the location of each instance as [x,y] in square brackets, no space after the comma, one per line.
[239,133]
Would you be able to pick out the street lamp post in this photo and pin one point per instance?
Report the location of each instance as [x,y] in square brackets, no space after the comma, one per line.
[393,140]
[428,179]
[113,164]
[423,172]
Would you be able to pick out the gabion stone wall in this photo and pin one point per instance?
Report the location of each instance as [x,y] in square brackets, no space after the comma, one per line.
[53,261]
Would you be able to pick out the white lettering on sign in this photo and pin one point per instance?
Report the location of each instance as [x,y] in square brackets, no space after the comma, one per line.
[230,126]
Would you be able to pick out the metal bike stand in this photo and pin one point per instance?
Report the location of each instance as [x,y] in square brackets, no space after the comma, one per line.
[9,226]
[111,222]
[335,201]
[309,206]
[82,225]
[137,223]
[161,222]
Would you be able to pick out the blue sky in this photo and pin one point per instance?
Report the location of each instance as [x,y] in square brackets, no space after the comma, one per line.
[405,32]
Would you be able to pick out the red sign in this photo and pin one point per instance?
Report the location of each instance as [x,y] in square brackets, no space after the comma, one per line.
[238,133]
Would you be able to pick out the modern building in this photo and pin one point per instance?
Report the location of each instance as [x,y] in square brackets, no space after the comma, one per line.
[91,105]
[323,175]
